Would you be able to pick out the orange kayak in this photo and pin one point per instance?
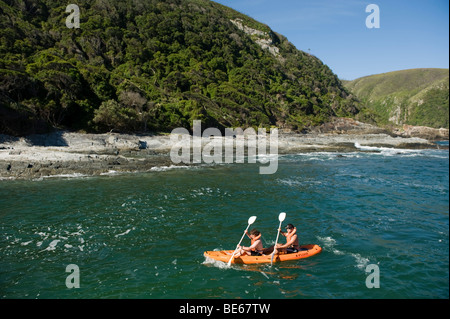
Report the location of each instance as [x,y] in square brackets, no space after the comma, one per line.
[225,255]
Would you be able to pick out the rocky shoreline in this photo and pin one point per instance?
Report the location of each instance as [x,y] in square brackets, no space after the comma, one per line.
[64,153]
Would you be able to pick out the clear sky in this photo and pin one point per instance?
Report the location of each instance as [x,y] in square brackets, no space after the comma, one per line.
[412,33]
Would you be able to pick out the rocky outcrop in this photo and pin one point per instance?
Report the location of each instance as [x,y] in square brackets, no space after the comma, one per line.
[263,39]
[428,133]
[347,126]
[64,153]
[351,126]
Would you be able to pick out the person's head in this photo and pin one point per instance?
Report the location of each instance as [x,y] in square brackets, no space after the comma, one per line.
[255,233]
[290,228]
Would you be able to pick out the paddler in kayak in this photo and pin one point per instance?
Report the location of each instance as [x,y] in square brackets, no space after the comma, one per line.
[256,246]
[291,245]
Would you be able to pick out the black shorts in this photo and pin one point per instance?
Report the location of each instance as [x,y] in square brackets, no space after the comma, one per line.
[291,250]
[255,253]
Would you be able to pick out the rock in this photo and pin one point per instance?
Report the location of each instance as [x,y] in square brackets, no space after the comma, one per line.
[342,125]
[142,145]
[94,154]
[423,132]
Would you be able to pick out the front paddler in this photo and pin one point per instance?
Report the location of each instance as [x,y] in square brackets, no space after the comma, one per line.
[256,246]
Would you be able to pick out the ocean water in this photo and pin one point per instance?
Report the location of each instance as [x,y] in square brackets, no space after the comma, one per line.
[143,235]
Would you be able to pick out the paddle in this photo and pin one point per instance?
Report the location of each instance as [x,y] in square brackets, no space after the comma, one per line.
[281,217]
[251,220]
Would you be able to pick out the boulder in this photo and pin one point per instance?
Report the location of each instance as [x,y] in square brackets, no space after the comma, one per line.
[428,133]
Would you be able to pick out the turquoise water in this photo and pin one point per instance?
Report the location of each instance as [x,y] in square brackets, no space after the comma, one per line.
[143,235]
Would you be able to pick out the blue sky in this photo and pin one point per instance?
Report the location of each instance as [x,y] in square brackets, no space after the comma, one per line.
[412,33]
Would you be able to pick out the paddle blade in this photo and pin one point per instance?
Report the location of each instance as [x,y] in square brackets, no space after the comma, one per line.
[282,217]
[251,220]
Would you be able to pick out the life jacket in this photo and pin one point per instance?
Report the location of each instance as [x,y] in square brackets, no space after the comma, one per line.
[288,239]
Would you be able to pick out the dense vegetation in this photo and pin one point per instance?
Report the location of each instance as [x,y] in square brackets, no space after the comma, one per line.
[415,97]
[150,65]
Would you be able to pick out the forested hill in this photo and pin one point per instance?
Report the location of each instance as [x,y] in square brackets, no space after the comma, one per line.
[149,65]
[415,97]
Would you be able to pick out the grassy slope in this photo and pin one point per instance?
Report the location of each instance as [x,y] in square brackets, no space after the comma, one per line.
[415,97]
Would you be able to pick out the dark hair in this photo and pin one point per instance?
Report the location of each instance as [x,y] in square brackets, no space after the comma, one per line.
[290,226]
[255,232]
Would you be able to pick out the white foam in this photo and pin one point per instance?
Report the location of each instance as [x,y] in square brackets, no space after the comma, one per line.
[361,262]
[290,182]
[52,245]
[215,263]
[329,243]
[73,175]
[167,168]
[388,151]
[110,172]
[124,233]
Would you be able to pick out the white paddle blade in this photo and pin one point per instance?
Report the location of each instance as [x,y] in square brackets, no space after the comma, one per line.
[282,217]
[251,220]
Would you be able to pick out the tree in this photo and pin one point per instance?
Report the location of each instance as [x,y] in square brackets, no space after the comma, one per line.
[111,115]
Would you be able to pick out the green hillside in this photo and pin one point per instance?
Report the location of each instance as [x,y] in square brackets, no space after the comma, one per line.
[415,97]
[150,65]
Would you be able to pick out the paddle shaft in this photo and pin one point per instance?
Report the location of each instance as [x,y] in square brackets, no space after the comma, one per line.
[232,256]
[274,247]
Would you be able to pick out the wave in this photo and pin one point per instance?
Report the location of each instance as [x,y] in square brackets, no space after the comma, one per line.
[168,168]
[215,263]
[386,150]
[329,243]
[125,233]
[390,151]
[292,182]
[110,173]
[62,176]
[320,156]
[52,245]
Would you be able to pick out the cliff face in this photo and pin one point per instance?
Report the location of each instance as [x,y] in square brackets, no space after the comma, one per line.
[150,65]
